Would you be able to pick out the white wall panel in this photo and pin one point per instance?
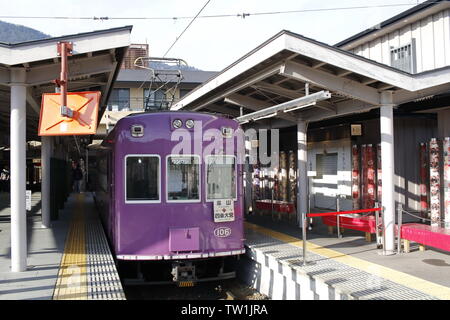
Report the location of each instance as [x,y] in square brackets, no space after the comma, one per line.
[439,41]
[432,37]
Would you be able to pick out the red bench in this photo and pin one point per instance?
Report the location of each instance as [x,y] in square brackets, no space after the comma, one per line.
[425,235]
[365,224]
[280,207]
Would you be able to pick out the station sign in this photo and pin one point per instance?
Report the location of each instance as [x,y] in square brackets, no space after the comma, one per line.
[223,210]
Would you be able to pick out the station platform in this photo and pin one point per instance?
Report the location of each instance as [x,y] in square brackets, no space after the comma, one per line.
[69,261]
[345,268]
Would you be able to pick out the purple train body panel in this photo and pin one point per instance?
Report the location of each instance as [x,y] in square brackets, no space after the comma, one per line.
[164,221]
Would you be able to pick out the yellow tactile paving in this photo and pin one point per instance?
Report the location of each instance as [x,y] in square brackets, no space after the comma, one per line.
[72,278]
[431,288]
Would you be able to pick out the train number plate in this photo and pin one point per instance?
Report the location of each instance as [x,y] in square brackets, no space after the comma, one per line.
[223,210]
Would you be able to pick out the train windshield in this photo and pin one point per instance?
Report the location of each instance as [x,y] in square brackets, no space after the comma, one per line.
[221,177]
[142,178]
[183,178]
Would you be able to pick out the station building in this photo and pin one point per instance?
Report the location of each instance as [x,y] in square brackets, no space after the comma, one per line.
[388,91]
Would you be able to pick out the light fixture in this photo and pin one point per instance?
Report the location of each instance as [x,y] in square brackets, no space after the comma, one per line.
[302,106]
[137,130]
[189,124]
[266,117]
[177,123]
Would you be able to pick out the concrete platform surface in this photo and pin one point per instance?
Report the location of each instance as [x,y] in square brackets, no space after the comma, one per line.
[71,260]
[427,270]
[45,248]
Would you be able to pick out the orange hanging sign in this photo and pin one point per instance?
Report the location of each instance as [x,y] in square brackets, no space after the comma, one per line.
[79,117]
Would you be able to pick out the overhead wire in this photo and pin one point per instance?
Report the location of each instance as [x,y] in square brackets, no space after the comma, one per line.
[239,15]
[181,34]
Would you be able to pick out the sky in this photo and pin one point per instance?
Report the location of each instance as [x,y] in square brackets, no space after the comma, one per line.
[209,44]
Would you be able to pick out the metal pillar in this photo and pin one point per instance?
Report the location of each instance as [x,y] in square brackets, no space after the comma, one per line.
[18,170]
[302,178]
[46,150]
[387,163]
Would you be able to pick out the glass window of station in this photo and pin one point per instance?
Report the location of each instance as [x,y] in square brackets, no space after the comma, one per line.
[221,177]
[142,178]
[183,178]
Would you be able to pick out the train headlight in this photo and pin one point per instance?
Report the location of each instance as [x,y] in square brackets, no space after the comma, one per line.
[177,123]
[190,124]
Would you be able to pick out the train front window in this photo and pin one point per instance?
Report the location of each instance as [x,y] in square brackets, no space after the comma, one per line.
[183,178]
[221,177]
[142,178]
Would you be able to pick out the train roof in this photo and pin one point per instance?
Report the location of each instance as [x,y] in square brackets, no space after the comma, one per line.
[110,137]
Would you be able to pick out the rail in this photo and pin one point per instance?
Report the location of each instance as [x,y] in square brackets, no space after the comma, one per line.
[337,214]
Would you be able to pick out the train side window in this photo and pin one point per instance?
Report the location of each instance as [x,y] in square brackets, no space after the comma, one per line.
[142,178]
[183,178]
[220,177]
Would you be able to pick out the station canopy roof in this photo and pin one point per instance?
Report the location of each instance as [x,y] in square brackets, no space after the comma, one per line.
[278,70]
[94,65]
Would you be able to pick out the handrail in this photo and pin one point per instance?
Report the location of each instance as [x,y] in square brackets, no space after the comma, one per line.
[422,218]
[337,214]
[400,212]
[321,214]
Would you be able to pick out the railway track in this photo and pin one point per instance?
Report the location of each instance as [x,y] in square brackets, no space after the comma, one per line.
[217,290]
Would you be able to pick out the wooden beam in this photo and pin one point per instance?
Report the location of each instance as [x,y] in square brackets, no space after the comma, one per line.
[264,74]
[77,67]
[369,81]
[318,65]
[331,82]
[343,73]
[291,94]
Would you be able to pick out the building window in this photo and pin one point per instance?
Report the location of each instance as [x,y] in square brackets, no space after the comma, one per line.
[155,100]
[326,164]
[142,178]
[404,58]
[119,100]
[221,177]
[183,178]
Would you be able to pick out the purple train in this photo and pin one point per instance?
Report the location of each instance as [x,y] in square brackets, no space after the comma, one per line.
[170,194]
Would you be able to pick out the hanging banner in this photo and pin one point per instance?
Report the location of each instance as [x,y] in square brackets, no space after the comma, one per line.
[435,203]
[283,176]
[370,202]
[379,173]
[364,194]
[292,177]
[446,148]
[423,187]
[355,177]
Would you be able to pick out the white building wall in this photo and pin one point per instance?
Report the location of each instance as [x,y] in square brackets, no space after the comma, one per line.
[432,37]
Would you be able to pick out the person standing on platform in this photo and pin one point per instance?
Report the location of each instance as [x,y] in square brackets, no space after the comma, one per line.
[77,176]
[83,171]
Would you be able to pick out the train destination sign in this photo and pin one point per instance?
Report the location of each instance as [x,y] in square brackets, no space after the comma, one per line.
[223,210]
